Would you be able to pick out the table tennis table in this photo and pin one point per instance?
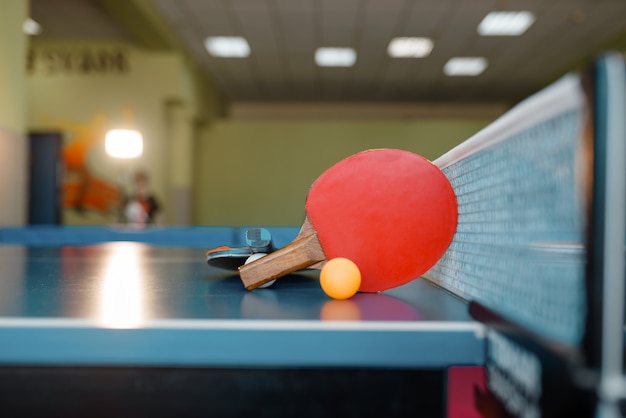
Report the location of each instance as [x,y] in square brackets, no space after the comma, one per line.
[90,317]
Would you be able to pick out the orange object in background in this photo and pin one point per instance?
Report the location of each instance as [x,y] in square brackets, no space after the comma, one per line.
[83,190]
[89,192]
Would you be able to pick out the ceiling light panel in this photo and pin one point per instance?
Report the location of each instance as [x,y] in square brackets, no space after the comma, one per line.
[506,23]
[335,57]
[227,46]
[31,27]
[409,47]
[465,66]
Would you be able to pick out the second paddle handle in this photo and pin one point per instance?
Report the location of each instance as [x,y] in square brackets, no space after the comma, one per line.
[300,254]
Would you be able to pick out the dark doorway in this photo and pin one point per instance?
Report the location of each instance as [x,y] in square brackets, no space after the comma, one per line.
[44,184]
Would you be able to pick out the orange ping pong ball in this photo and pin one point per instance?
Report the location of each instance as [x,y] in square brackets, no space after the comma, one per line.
[340,278]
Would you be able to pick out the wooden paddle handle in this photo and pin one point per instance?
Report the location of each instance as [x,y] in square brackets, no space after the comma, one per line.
[301,253]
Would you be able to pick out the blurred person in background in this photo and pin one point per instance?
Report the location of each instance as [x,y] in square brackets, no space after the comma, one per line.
[141,207]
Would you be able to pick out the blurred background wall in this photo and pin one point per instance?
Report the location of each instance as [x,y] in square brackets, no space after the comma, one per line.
[232,141]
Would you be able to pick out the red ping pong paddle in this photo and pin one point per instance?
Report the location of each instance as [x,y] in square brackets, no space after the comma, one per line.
[392,212]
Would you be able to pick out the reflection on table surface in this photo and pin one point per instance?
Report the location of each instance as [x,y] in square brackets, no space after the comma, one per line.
[124,285]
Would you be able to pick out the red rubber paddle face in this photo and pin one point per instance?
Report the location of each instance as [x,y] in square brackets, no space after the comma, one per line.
[392,212]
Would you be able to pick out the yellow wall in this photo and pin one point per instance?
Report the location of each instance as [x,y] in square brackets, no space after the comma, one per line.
[13,144]
[258,173]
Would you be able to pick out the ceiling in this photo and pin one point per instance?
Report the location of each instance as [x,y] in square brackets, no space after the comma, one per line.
[283,35]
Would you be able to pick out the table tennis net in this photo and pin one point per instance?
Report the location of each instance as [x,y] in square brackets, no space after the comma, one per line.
[518,248]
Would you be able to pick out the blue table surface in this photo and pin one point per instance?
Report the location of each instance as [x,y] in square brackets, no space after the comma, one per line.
[130,303]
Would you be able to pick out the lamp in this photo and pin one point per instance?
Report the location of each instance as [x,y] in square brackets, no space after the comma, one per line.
[124,143]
